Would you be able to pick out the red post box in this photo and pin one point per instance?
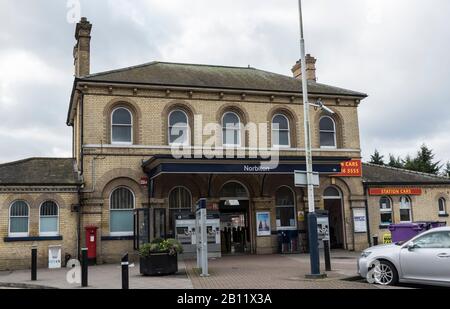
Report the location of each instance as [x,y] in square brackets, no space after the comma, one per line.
[91,243]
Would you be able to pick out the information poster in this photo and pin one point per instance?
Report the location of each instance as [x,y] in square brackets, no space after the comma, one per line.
[360,220]
[263,224]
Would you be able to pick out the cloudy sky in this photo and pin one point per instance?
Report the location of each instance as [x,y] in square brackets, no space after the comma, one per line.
[396,51]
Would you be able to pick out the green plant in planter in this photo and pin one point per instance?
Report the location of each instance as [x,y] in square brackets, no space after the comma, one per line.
[172,246]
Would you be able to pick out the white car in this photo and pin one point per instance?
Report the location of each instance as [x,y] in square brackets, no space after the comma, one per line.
[425,259]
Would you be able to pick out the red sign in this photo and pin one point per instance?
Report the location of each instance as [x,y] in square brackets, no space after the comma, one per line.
[352,168]
[144,181]
[395,191]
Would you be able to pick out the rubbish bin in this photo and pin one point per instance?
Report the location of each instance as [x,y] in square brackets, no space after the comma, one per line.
[406,231]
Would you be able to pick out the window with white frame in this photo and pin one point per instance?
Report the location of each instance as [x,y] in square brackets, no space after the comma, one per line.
[442,206]
[280,131]
[285,209]
[231,130]
[122,204]
[385,211]
[178,128]
[18,219]
[49,219]
[121,126]
[405,209]
[327,132]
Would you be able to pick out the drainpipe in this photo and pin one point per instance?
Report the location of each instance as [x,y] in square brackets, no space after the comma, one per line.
[367,216]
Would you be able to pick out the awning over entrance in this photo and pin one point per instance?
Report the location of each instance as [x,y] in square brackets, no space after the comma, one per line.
[159,165]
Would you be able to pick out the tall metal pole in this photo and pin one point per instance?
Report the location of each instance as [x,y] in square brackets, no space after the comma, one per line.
[312,218]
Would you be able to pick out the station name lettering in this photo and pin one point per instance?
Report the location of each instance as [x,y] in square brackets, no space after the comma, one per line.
[256,168]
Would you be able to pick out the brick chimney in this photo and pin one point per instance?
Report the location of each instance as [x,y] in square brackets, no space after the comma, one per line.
[82,50]
[310,68]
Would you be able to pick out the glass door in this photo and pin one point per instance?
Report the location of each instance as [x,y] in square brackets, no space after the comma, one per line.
[141,227]
[159,223]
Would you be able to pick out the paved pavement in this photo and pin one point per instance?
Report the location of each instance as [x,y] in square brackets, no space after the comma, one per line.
[100,277]
[275,272]
[230,272]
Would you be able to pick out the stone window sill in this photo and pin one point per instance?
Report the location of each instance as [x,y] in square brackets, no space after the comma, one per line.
[38,238]
[116,238]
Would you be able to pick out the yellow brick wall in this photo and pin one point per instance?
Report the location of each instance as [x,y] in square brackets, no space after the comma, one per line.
[17,255]
[152,122]
[424,208]
[150,108]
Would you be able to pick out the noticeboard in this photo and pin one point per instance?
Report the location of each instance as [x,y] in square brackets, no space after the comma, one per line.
[54,257]
[360,220]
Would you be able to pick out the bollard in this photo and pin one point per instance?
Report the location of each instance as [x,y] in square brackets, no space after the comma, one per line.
[125,272]
[375,240]
[33,263]
[326,246]
[84,267]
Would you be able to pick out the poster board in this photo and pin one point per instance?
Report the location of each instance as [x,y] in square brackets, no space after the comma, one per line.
[263,224]
[360,220]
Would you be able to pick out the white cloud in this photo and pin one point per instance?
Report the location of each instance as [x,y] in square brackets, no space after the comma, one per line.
[396,51]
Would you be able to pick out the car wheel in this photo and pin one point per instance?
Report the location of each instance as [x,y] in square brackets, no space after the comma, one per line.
[385,273]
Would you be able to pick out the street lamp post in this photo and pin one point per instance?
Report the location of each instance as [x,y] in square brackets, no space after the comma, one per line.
[312,217]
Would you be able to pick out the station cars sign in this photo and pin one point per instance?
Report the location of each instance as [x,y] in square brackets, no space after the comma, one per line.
[395,191]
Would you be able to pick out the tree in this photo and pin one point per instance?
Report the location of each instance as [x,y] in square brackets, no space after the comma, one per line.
[376,158]
[423,162]
[396,162]
[446,172]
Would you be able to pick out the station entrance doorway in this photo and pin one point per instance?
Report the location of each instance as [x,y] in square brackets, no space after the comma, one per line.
[333,204]
[234,219]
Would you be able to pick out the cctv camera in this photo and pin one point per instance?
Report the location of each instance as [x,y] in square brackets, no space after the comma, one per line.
[327,110]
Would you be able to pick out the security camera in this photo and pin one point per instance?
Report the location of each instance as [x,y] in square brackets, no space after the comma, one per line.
[322,107]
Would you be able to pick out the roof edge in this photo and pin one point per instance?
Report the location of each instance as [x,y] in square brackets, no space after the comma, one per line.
[33,158]
[408,171]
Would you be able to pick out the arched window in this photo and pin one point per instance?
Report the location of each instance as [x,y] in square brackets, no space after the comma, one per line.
[385,211]
[121,126]
[48,219]
[405,209]
[280,131]
[331,193]
[121,203]
[285,209]
[18,219]
[178,128]
[231,129]
[442,206]
[233,190]
[327,132]
[180,201]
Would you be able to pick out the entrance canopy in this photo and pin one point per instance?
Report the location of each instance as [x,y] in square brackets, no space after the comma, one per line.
[166,164]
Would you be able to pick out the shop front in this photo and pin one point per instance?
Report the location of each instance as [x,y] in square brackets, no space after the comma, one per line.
[260,210]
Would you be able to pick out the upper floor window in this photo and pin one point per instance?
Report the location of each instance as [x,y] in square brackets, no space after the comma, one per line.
[327,132]
[178,128]
[405,209]
[121,126]
[121,212]
[280,131]
[231,129]
[18,219]
[385,211]
[48,219]
[442,206]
